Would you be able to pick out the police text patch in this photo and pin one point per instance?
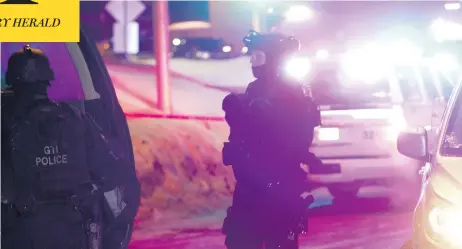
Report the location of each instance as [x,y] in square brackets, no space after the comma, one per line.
[51,156]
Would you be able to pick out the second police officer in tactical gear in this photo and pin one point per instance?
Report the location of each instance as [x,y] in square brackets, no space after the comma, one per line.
[271,130]
[58,163]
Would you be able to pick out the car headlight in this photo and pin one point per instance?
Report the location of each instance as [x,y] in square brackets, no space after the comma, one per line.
[446,223]
[297,67]
[226,49]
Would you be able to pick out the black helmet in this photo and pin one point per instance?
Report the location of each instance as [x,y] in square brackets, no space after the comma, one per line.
[272,43]
[28,65]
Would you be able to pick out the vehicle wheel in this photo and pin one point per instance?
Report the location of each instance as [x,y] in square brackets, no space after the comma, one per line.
[343,192]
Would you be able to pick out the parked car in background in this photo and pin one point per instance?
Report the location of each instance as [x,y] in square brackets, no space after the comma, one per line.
[202,48]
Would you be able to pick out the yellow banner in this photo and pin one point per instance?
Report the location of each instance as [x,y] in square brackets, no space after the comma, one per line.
[39,20]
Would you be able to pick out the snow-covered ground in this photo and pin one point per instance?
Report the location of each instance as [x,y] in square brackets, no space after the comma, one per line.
[188,98]
[228,73]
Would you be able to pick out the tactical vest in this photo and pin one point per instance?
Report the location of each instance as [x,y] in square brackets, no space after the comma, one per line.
[48,154]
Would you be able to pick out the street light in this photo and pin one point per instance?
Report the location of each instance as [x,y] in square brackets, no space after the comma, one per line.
[259,9]
[298,13]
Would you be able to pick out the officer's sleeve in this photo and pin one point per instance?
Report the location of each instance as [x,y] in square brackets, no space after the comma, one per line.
[233,106]
[308,114]
[230,107]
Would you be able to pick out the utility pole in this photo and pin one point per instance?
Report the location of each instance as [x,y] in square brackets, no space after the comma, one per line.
[256,22]
[259,21]
[161,40]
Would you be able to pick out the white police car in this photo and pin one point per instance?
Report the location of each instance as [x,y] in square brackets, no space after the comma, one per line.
[360,125]
[364,106]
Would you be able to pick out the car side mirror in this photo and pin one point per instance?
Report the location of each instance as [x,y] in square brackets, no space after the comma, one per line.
[413,143]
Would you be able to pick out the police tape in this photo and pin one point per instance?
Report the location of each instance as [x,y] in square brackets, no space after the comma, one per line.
[173,116]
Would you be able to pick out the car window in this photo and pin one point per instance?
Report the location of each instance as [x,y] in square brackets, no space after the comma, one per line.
[452,144]
[67,85]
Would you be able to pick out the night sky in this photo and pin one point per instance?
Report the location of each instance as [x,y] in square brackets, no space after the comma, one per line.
[98,22]
[178,10]
[187,11]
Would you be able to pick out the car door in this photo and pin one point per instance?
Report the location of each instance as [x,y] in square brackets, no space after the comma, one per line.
[108,113]
[106,110]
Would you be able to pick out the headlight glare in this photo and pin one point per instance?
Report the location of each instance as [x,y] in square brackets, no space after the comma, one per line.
[446,222]
[297,67]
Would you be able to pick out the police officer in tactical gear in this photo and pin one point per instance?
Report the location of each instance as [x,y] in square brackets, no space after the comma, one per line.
[10,104]
[271,130]
[57,164]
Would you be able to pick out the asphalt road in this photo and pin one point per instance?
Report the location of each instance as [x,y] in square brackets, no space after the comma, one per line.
[367,223]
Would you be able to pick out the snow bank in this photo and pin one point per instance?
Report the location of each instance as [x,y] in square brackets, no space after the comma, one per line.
[225,73]
[178,162]
[179,165]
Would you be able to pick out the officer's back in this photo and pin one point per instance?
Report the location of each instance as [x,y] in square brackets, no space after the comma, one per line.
[50,184]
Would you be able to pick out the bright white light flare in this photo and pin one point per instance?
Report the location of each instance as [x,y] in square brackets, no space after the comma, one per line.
[446,222]
[176,42]
[298,13]
[297,67]
[322,54]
